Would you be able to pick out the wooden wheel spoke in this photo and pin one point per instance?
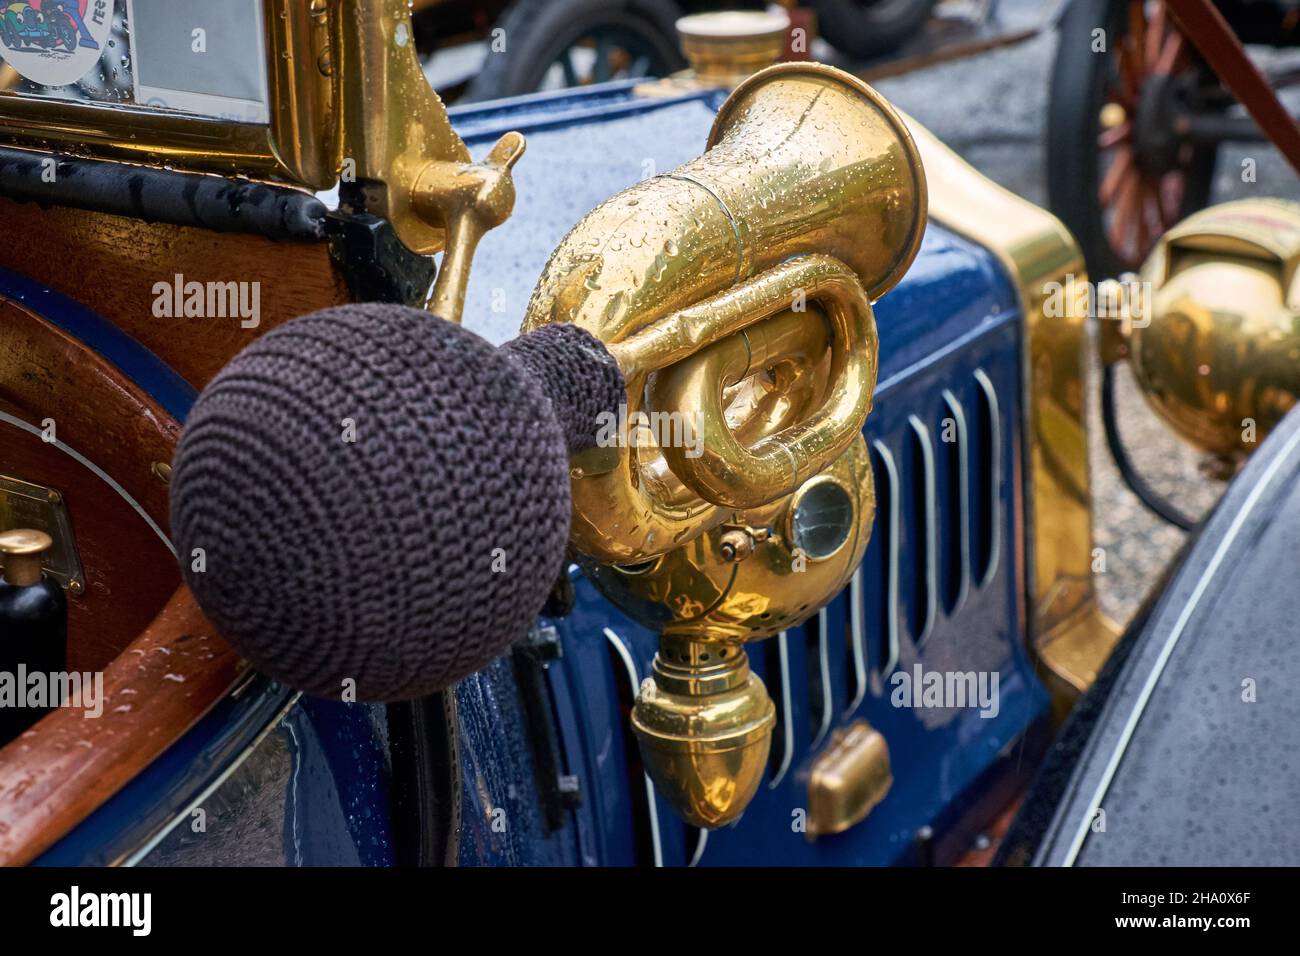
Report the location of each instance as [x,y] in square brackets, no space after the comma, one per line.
[1169,53]
[1148,216]
[1130,69]
[1115,135]
[1155,35]
[1116,175]
[1172,187]
[1124,221]
[1137,28]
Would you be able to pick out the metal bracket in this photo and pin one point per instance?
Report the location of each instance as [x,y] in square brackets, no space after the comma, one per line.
[25,505]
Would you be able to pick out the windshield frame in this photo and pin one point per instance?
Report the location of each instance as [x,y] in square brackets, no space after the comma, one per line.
[294,146]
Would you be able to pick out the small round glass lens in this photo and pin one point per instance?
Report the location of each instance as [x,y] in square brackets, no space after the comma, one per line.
[822,519]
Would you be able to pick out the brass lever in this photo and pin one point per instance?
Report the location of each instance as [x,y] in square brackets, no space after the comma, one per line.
[467,199]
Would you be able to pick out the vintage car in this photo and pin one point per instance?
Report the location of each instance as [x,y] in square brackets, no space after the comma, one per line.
[1139,123]
[733,508]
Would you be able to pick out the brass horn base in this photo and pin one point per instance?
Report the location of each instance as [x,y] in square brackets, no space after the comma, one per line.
[704,725]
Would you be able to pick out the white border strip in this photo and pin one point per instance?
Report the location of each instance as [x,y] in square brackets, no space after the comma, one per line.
[824,666]
[701,842]
[787,715]
[856,612]
[963,498]
[995,479]
[922,432]
[891,559]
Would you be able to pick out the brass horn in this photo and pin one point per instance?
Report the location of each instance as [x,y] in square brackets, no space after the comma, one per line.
[735,293]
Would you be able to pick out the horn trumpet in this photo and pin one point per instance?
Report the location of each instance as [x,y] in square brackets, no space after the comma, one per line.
[735,295]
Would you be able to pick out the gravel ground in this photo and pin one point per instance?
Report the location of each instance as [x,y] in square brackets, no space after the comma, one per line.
[992,109]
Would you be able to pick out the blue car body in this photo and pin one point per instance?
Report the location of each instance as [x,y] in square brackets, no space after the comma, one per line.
[542,767]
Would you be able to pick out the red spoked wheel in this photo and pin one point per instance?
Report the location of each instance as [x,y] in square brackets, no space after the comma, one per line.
[1125,162]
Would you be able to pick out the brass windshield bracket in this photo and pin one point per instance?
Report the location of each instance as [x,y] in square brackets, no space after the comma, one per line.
[1068,632]
[400,158]
[468,199]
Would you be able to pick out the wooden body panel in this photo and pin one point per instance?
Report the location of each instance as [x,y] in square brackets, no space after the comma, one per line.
[111,265]
[54,775]
[163,665]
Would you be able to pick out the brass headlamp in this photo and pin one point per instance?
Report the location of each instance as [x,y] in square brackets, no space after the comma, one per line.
[1213,326]
[735,293]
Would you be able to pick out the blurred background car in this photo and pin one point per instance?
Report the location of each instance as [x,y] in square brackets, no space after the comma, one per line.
[548,44]
[552,44]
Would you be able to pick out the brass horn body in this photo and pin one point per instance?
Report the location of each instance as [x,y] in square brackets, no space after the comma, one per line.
[735,293]
[802,159]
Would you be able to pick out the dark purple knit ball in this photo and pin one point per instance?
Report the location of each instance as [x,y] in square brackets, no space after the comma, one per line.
[379,495]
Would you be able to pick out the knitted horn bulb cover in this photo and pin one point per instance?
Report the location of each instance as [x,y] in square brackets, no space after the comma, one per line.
[374,495]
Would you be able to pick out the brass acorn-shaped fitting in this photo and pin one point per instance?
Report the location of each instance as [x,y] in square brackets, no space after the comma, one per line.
[704,723]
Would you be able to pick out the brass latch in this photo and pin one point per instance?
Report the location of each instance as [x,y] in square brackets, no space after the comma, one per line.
[848,779]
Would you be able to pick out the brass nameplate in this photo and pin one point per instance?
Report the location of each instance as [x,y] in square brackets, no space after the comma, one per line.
[24,505]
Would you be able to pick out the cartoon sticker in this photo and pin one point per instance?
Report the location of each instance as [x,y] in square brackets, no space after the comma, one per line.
[54,42]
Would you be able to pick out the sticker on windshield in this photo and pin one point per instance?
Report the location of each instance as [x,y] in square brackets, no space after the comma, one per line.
[54,42]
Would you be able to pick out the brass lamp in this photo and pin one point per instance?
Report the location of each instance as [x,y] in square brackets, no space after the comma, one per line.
[1213,328]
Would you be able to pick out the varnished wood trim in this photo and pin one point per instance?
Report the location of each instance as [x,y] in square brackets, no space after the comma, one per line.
[65,767]
[108,421]
[47,373]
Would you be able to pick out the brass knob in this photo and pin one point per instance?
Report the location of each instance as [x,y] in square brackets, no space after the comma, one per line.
[466,199]
[22,549]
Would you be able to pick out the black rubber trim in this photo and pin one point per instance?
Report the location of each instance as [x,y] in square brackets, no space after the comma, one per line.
[161,195]
[427,780]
